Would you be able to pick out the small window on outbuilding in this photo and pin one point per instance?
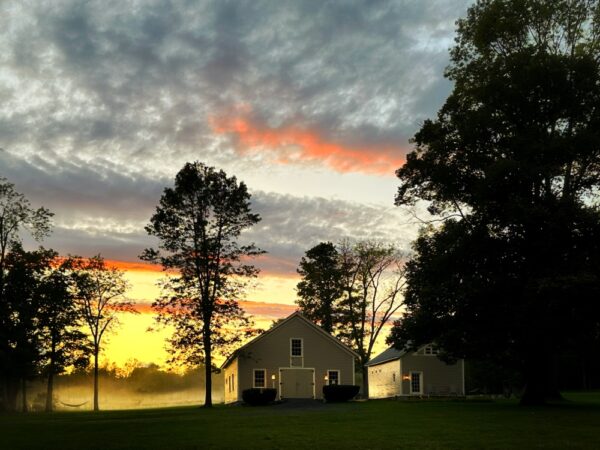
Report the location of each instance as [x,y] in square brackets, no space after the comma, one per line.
[394,377]
[296,347]
[333,377]
[260,378]
[431,350]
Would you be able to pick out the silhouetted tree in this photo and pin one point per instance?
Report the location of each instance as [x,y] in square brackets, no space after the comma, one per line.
[320,287]
[372,280]
[59,324]
[100,297]
[15,214]
[352,291]
[198,223]
[512,161]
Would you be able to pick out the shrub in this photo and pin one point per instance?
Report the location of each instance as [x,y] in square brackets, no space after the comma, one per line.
[340,392]
[259,396]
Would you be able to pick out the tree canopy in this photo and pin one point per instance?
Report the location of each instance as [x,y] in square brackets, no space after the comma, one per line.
[198,223]
[512,162]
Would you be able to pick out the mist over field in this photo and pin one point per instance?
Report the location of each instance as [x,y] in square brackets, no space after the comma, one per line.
[143,387]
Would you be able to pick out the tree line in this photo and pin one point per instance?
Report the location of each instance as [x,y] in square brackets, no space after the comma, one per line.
[54,311]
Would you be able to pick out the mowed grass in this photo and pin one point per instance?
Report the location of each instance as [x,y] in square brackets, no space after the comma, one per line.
[361,425]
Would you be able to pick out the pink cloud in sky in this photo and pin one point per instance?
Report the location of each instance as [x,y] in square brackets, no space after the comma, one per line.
[291,144]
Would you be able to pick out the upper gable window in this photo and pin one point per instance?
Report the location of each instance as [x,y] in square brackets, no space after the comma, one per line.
[431,350]
[296,347]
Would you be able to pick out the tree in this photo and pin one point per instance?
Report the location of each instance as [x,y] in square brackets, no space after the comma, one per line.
[353,290]
[320,287]
[198,223]
[373,279]
[100,298]
[24,271]
[62,343]
[512,163]
[15,214]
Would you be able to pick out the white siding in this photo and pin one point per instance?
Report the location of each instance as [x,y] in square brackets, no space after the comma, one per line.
[385,380]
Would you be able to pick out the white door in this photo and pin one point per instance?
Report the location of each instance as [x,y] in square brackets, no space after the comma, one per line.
[297,383]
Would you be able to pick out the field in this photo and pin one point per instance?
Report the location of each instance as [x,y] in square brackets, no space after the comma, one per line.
[360,425]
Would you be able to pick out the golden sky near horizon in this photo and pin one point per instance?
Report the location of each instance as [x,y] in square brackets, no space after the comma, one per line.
[271,299]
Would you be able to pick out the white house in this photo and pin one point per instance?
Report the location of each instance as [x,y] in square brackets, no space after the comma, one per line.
[396,373]
[295,356]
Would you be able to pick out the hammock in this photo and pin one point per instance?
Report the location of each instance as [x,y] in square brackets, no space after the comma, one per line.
[71,405]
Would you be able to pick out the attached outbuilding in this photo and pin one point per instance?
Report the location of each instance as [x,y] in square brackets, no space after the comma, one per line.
[296,357]
[396,373]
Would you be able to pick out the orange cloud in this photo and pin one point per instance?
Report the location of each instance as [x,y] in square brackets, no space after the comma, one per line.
[294,144]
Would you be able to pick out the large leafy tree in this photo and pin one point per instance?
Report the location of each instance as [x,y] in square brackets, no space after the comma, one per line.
[16,214]
[198,223]
[512,161]
[320,287]
[99,295]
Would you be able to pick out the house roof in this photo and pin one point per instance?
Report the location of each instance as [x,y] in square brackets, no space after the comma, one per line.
[299,315]
[390,354]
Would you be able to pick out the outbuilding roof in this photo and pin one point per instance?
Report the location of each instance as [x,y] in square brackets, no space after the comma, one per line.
[299,315]
[390,354]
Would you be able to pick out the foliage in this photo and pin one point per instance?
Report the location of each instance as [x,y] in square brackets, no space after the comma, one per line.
[100,297]
[512,161]
[355,286]
[15,214]
[320,287]
[259,396]
[340,392]
[198,223]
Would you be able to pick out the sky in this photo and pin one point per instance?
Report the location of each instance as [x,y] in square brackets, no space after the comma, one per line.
[311,103]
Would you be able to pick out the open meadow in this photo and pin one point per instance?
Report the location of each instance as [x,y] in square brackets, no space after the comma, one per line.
[429,424]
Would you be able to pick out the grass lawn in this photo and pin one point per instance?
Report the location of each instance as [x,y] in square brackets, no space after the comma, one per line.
[362,425]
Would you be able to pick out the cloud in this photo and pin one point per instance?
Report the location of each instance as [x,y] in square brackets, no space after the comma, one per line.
[137,82]
[293,144]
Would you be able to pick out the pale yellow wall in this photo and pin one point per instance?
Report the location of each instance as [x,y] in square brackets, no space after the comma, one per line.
[381,380]
[272,352]
[231,395]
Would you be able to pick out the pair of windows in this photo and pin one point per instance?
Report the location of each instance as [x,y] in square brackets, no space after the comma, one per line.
[231,382]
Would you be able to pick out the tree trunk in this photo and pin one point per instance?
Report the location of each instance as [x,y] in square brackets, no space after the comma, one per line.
[24,395]
[50,388]
[540,383]
[207,367]
[365,381]
[50,392]
[96,351]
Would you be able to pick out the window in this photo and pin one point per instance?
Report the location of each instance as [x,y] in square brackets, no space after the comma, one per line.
[415,382]
[431,350]
[232,382]
[296,347]
[260,378]
[333,377]
[394,377]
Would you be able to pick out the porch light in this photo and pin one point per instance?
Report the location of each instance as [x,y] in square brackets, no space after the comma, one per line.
[406,377]
[273,381]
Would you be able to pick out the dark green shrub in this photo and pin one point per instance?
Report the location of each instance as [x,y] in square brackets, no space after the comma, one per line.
[340,392]
[259,396]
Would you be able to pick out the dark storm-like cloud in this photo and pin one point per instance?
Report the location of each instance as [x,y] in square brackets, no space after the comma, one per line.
[138,81]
